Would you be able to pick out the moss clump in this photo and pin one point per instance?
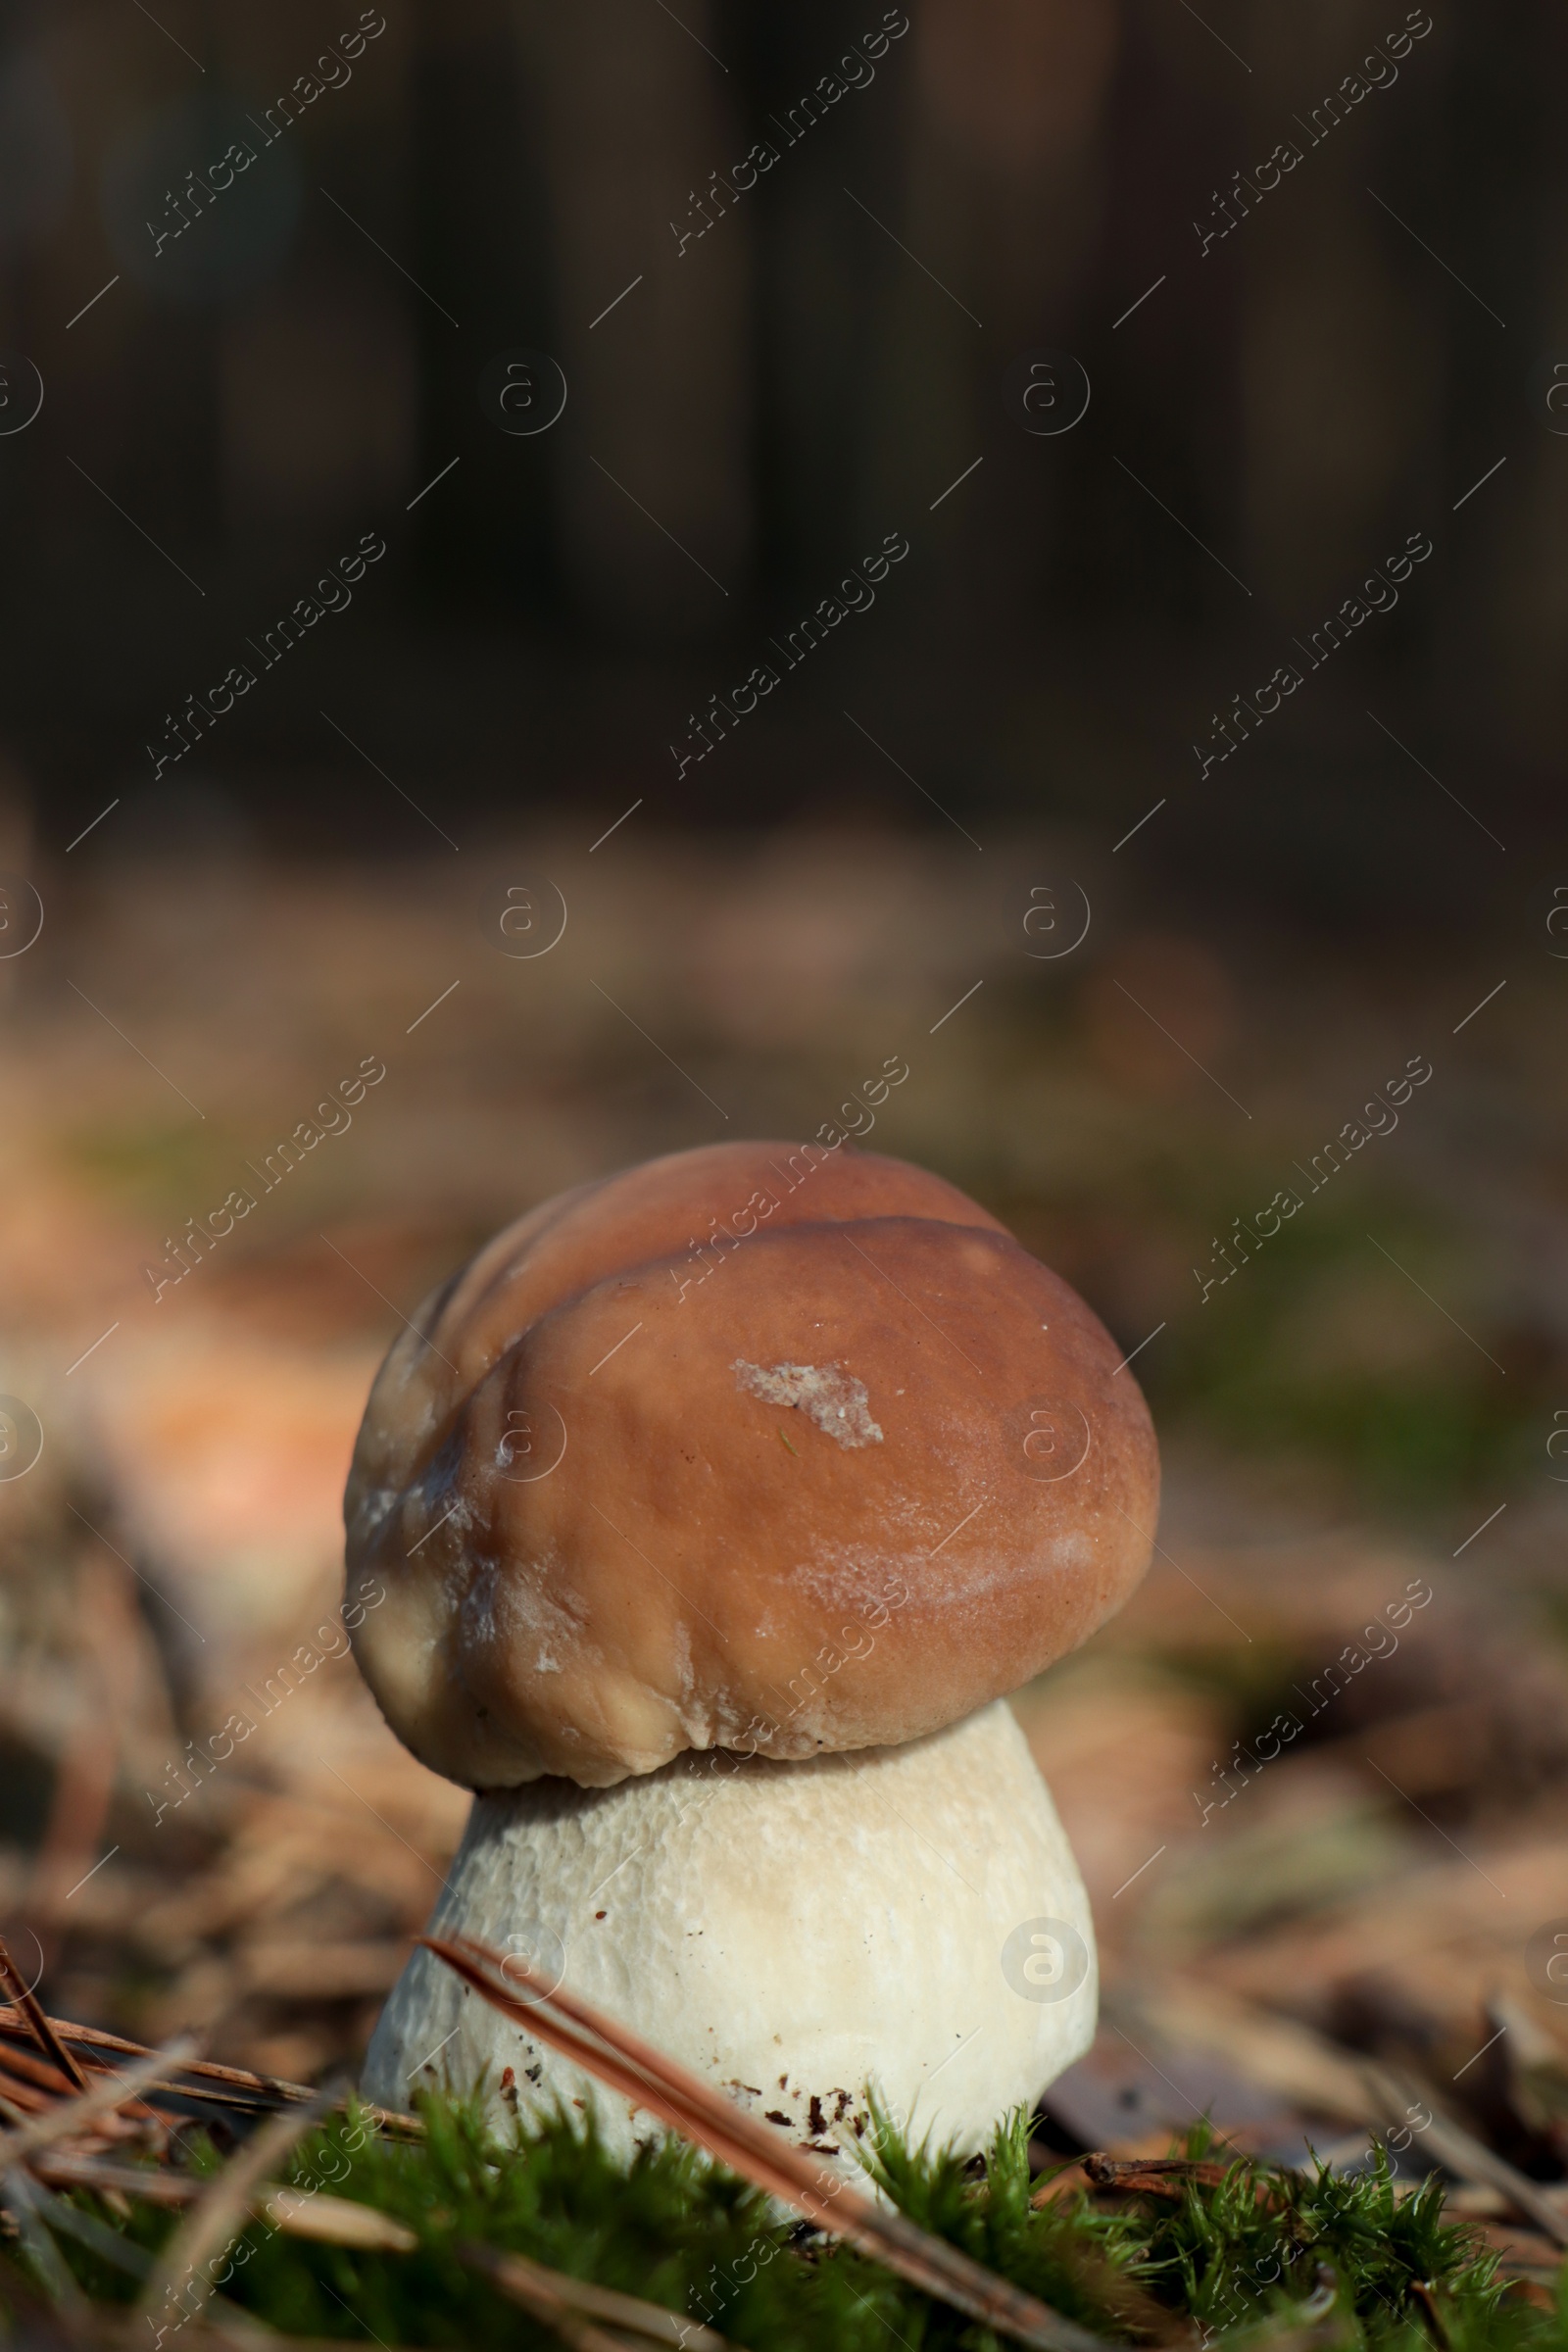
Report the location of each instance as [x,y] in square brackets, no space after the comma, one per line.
[1244,2251]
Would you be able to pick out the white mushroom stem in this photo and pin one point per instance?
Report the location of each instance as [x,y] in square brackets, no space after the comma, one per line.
[909,1919]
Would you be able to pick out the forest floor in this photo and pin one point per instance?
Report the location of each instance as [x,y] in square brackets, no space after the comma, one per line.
[1316,1772]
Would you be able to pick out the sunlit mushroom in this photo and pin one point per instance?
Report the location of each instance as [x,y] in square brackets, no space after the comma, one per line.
[718,1506]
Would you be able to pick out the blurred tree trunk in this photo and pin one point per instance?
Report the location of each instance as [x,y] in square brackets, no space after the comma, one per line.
[633,117]
[484,209]
[1006,169]
[1505,223]
[824,275]
[1341,363]
[319,368]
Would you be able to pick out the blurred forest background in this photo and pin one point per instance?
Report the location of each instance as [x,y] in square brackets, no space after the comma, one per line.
[802,379]
[1137,998]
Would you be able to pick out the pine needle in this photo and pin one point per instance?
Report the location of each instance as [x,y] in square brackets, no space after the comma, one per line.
[628,2064]
[222,2085]
[68,2117]
[570,2306]
[42,2026]
[1245,2256]
[183,2274]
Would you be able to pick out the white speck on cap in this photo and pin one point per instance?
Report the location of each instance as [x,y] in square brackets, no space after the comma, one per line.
[827,1393]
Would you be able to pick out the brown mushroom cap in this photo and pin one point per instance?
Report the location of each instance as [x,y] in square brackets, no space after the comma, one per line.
[759,1447]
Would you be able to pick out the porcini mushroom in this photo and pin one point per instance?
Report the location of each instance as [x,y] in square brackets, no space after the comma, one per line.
[717,1507]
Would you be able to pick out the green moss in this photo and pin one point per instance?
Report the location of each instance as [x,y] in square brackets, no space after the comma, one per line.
[1257,2249]
[1319,1346]
[161,1165]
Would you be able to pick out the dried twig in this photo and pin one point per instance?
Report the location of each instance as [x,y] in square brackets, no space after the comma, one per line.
[261,2091]
[31,2087]
[558,2300]
[1397,2095]
[1064,2183]
[334,2221]
[643,2075]
[23,2096]
[299,2213]
[41,2026]
[1120,2171]
[570,2306]
[1290,2057]
[38,2073]
[535,2289]
[1159,2176]
[184,2269]
[155,2184]
[71,2115]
